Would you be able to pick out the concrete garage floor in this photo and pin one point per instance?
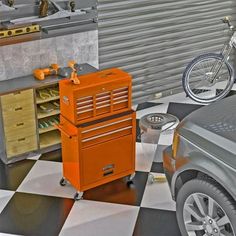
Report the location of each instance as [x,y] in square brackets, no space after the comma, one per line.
[33,203]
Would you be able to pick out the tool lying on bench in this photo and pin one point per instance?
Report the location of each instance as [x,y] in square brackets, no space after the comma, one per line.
[40,74]
[70,72]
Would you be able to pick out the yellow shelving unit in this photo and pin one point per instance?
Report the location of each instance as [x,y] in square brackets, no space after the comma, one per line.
[48,135]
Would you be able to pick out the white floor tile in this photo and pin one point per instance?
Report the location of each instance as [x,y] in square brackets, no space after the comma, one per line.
[92,218]
[144,160]
[3,234]
[44,178]
[156,109]
[34,156]
[5,196]
[157,195]
[134,107]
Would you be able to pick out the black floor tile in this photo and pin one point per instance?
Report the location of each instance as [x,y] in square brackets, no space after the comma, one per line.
[231,93]
[29,214]
[13,174]
[146,105]
[199,91]
[157,167]
[138,135]
[118,191]
[153,222]
[181,110]
[52,156]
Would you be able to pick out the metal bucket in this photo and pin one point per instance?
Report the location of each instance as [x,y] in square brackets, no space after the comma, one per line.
[151,127]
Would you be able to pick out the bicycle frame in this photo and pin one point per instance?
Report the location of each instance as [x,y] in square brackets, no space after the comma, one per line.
[225,53]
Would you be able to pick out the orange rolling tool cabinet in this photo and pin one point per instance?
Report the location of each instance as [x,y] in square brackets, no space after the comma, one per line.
[98,129]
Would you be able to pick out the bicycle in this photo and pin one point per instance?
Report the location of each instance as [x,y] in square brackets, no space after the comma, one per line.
[210,77]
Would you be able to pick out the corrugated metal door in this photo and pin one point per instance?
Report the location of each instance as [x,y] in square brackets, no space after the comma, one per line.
[155,39]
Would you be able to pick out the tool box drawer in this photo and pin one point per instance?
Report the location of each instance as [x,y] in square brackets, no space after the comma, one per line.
[104,130]
[16,97]
[106,160]
[21,145]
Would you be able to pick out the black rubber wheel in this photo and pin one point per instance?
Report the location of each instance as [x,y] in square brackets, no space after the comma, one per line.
[63,182]
[129,179]
[78,196]
[204,209]
[197,78]
[129,183]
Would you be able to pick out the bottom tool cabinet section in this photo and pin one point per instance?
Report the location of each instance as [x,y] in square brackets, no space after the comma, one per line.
[98,152]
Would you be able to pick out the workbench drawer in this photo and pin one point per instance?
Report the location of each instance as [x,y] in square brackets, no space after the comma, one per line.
[20,145]
[17,106]
[18,96]
[107,159]
[18,113]
[21,127]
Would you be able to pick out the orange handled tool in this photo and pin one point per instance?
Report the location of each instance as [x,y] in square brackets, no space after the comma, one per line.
[41,73]
[75,69]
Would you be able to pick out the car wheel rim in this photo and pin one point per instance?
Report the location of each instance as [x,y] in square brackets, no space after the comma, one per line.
[203,216]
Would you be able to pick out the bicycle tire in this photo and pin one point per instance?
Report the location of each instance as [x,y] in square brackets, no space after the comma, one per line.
[221,92]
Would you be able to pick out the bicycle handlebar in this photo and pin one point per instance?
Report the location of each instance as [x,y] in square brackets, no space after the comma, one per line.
[227,21]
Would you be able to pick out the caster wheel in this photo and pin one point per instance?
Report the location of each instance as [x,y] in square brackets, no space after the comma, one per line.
[78,196]
[63,182]
[129,179]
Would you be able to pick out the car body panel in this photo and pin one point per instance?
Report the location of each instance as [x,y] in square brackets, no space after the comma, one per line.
[211,151]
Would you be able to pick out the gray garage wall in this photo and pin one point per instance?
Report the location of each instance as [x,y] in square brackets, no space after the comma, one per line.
[21,59]
[155,39]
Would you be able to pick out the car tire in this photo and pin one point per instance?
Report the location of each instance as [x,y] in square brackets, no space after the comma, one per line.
[201,192]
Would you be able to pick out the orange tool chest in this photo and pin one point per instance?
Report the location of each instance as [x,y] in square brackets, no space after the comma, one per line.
[98,95]
[98,129]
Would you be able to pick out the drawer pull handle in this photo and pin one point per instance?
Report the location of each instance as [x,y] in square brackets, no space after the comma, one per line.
[108,167]
[21,139]
[60,128]
[18,109]
[108,173]
[20,124]
[107,125]
[106,134]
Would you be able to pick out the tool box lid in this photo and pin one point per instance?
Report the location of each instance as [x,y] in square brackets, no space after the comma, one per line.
[100,77]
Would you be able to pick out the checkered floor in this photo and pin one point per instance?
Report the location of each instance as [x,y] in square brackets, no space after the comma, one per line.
[33,203]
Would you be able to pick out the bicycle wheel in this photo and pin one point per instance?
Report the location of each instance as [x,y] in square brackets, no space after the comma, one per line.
[197,78]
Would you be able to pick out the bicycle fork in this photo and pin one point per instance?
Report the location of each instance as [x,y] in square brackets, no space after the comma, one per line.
[218,65]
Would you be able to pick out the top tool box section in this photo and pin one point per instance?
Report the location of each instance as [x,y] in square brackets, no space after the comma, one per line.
[98,95]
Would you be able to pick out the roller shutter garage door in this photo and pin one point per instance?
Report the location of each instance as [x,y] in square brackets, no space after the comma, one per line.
[155,39]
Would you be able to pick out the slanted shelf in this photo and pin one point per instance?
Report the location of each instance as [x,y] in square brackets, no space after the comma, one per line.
[47,94]
[48,124]
[40,100]
[42,115]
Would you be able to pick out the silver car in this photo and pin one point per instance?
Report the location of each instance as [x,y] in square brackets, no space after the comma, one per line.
[200,167]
